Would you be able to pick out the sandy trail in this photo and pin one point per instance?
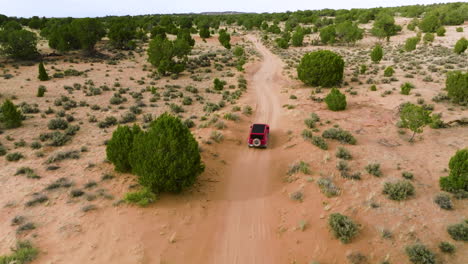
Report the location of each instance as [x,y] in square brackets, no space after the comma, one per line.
[245,232]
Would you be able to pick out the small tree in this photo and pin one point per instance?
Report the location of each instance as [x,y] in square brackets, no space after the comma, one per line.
[205,32]
[121,34]
[415,118]
[42,72]
[456,85]
[385,27]
[224,38]
[20,44]
[348,32]
[119,147]
[166,157]
[411,43]
[458,176]
[321,68]
[297,38]
[377,54]
[461,46]
[88,31]
[429,23]
[11,116]
[335,100]
[328,34]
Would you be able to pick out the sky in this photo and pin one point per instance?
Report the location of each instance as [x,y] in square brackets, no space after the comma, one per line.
[93,8]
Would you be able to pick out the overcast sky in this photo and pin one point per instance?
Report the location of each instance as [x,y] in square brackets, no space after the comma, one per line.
[92,8]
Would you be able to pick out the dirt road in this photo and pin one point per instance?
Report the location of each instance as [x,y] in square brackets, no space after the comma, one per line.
[245,232]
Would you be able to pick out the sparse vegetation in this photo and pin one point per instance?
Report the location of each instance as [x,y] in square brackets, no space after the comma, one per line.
[420,254]
[399,190]
[342,227]
[143,197]
[23,253]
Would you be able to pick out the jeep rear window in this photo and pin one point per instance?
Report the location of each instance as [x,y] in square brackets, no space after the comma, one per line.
[258,129]
[256,136]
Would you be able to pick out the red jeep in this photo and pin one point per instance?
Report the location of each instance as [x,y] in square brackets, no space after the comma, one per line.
[259,135]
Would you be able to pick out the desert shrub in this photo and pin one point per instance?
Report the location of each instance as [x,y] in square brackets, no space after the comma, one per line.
[41,91]
[42,73]
[415,118]
[23,253]
[57,123]
[3,150]
[441,31]
[459,232]
[461,46]
[447,247]
[14,156]
[319,142]
[410,43]
[231,116]
[457,86]
[389,71]
[343,153]
[444,201]
[120,145]
[335,100]
[327,187]
[310,123]
[166,157]
[458,176]
[374,169]
[399,190]
[321,68]
[376,54]
[301,166]
[10,115]
[219,84]
[143,197]
[247,110]
[407,175]
[428,37]
[342,227]
[342,166]
[420,254]
[406,88]
[356,258]
[459,29]
[373,88]
[63,155]
[127,118]
[216,136]
[76,193]
[339,134]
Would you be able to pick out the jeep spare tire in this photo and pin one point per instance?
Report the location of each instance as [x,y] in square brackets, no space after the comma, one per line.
[256,142]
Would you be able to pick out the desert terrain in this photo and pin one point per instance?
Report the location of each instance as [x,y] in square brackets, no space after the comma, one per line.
[249,205]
